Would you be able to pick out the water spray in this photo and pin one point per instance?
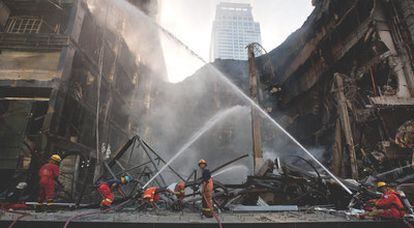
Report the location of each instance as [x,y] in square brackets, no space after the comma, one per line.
[207,126]
[233,167]
[283,130]
[239,91]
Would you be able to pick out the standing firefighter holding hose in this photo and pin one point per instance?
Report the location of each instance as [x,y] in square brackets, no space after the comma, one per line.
[206,189]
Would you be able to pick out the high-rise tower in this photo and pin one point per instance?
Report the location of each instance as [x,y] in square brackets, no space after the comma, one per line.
[233,29]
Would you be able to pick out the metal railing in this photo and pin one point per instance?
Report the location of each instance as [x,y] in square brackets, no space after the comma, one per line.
[41,41]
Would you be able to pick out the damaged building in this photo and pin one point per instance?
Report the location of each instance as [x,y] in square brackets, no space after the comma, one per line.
[344,81]
[71,83]
[67,86]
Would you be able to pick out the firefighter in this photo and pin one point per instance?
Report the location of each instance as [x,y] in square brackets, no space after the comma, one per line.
[106,189]
[206,189]
[151,196]
[172,195]
[179,191]
[48,174]
[177,194]
[389,205]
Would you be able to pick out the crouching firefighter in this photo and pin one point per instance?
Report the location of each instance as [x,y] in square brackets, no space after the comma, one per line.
[106,189]
[177,193]
[151,196]
[206,189]
[389,205]
[48,174]
[172,196]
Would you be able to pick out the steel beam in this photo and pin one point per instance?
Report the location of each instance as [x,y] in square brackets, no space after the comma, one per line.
[273,208]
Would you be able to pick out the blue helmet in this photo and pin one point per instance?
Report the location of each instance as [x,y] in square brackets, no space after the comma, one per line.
[125,179]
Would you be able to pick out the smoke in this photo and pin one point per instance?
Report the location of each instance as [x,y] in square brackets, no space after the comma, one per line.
[232,174]
[202,131]
[169,113]
[136,29]
[293,156]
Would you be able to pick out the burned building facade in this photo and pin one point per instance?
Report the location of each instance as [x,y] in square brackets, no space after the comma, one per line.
[67,86]
[344,81]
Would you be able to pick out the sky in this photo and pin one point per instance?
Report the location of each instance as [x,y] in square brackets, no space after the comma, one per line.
[191,22]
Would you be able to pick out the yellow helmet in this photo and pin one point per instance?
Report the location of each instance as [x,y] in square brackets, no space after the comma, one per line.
[381,184]
[202,161]
[56,158]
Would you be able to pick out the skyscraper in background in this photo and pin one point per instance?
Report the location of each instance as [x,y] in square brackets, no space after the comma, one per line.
[233,29]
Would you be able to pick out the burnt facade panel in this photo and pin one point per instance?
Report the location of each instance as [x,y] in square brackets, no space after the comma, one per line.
[63,77]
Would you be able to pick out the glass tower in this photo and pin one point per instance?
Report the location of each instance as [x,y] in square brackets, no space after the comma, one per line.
[233,29]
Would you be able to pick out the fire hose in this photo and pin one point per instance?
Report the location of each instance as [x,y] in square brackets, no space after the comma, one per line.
[212,210]
[95,212]
[22,215]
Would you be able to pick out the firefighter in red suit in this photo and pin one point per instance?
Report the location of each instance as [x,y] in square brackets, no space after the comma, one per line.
[389,205]
[106,190]
[172,195]
[48,174]
[151,196]
[179,191]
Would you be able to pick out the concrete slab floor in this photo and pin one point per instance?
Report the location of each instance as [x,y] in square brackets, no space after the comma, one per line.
[94,217]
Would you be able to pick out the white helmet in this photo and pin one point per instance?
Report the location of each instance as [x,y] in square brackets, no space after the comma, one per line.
[21,185]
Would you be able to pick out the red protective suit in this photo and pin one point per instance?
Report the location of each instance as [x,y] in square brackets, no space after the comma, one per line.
[179,190]
[151,195]
[48,173]
[107,194]
[391,205]
[207,194]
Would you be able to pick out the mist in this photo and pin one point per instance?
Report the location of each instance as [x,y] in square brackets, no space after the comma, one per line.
[171,113]
[176,110]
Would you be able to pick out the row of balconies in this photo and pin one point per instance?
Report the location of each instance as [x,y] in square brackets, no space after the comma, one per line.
[41,41]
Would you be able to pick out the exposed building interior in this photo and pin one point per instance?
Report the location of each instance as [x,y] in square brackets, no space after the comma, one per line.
[346,83]
[56,63]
